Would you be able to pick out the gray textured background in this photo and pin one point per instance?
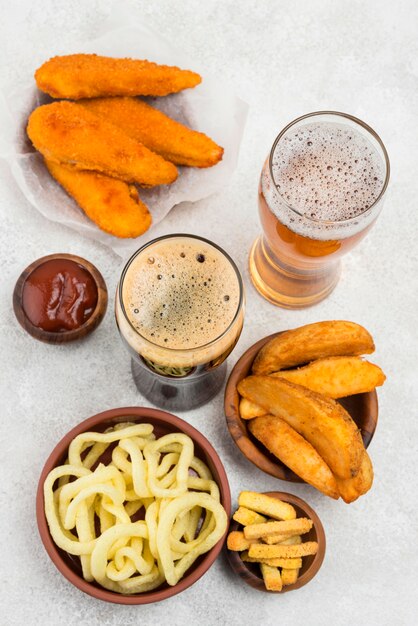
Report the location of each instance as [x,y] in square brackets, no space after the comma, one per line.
[285,58]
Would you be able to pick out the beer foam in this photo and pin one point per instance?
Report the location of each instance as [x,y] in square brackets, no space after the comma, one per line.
[325,172]
[181,293]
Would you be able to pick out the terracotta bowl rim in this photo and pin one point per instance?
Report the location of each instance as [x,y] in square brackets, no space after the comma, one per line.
[141,414]
[251,579]
[246,444]
[69,335]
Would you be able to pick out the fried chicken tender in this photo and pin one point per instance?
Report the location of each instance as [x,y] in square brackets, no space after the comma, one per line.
[112,204]
[65,132]
[157,131]
[76,76]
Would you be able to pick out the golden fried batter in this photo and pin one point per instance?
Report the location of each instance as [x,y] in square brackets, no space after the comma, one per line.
[78,76]
[112,204]
[65,132]
[157,131]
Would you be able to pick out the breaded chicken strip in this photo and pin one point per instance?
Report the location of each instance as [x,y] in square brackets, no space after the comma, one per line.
[78,76]
[65,132]
[157,131]
[112,204]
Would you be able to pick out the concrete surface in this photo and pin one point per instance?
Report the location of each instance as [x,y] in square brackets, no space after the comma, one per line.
[285,58]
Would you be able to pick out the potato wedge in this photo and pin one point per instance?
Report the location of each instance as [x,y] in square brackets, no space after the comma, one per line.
[321,421]
[335,377]
[248,410]
[295,452]
[353,488]
[310,342]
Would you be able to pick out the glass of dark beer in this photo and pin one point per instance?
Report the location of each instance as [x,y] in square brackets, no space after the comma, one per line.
[180,312]
[321,189]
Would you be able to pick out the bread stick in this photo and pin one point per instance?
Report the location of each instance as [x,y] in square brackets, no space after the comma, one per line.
[284,541]
[266,505]
[286,563]
[288,528]
[246,517]
[237,542]
[289,576]
[283,552]
[271,576]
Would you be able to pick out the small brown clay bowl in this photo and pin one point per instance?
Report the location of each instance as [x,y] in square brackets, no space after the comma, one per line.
[70,335]
[163,423]
[362,407]
[250,572]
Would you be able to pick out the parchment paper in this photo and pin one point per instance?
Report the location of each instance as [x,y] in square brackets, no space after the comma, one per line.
[211,107]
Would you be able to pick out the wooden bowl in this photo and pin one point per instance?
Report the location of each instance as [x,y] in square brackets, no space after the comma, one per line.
[163,423]
[70,335]
[250,572]
[362,407]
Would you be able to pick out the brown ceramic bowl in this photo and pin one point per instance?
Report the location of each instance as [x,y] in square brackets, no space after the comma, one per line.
[71,335]
[163,423]
[250,572]
[362,407]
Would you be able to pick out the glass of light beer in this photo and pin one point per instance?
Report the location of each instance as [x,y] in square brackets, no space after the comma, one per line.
[180,312]
[321,189]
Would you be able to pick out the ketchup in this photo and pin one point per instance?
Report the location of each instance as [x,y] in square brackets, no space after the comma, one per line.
[59,295]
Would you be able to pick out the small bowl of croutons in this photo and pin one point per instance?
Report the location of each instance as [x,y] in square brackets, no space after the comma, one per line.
[276,541]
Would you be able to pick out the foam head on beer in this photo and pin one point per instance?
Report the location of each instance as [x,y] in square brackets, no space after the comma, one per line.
[181,293]
[324,172]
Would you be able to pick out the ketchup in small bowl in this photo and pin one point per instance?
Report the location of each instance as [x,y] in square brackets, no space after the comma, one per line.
[60,298]
[59,295]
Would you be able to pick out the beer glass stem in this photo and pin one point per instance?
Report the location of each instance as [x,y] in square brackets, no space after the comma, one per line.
[178,394]
[287,286]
